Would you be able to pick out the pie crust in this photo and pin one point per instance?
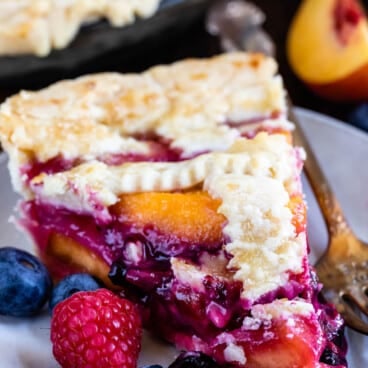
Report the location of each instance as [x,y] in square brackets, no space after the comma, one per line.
[38,26]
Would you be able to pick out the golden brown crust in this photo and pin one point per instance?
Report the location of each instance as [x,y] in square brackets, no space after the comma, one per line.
[38,26]
[186,103]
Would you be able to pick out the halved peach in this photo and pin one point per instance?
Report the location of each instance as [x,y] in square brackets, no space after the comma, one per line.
[327,47]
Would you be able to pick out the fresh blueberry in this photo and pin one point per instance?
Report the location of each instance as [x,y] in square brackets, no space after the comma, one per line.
[193,360]
[25,283]
[152,366]
[70,285]
[359,117]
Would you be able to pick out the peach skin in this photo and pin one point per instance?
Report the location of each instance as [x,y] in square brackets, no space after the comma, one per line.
[327,47]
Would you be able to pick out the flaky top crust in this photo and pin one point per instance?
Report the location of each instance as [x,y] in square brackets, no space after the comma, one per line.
[188,104]
[38,26]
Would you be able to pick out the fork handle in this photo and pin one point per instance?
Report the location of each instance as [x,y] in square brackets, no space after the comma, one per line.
[329,205]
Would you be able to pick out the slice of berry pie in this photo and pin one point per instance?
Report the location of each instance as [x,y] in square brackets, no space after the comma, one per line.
[180,188]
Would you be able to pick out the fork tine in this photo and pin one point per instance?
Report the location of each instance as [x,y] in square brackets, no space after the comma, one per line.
[357,296]
[351,318]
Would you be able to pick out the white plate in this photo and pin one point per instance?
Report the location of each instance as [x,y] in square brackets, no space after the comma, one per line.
[343,152]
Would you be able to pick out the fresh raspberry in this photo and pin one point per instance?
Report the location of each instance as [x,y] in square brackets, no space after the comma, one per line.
[96,329]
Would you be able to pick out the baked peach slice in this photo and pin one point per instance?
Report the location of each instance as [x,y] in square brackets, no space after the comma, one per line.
[288,348]
[327,48]
[190,216]
[65,256]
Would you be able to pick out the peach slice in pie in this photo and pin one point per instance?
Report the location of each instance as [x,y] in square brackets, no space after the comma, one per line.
[180,188]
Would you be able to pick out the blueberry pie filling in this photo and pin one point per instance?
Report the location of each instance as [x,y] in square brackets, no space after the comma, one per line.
[200,221]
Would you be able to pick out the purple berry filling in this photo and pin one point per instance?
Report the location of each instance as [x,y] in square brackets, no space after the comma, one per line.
[140,263]
[139,260]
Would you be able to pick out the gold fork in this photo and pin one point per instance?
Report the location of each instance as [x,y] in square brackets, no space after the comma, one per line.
[343,268]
